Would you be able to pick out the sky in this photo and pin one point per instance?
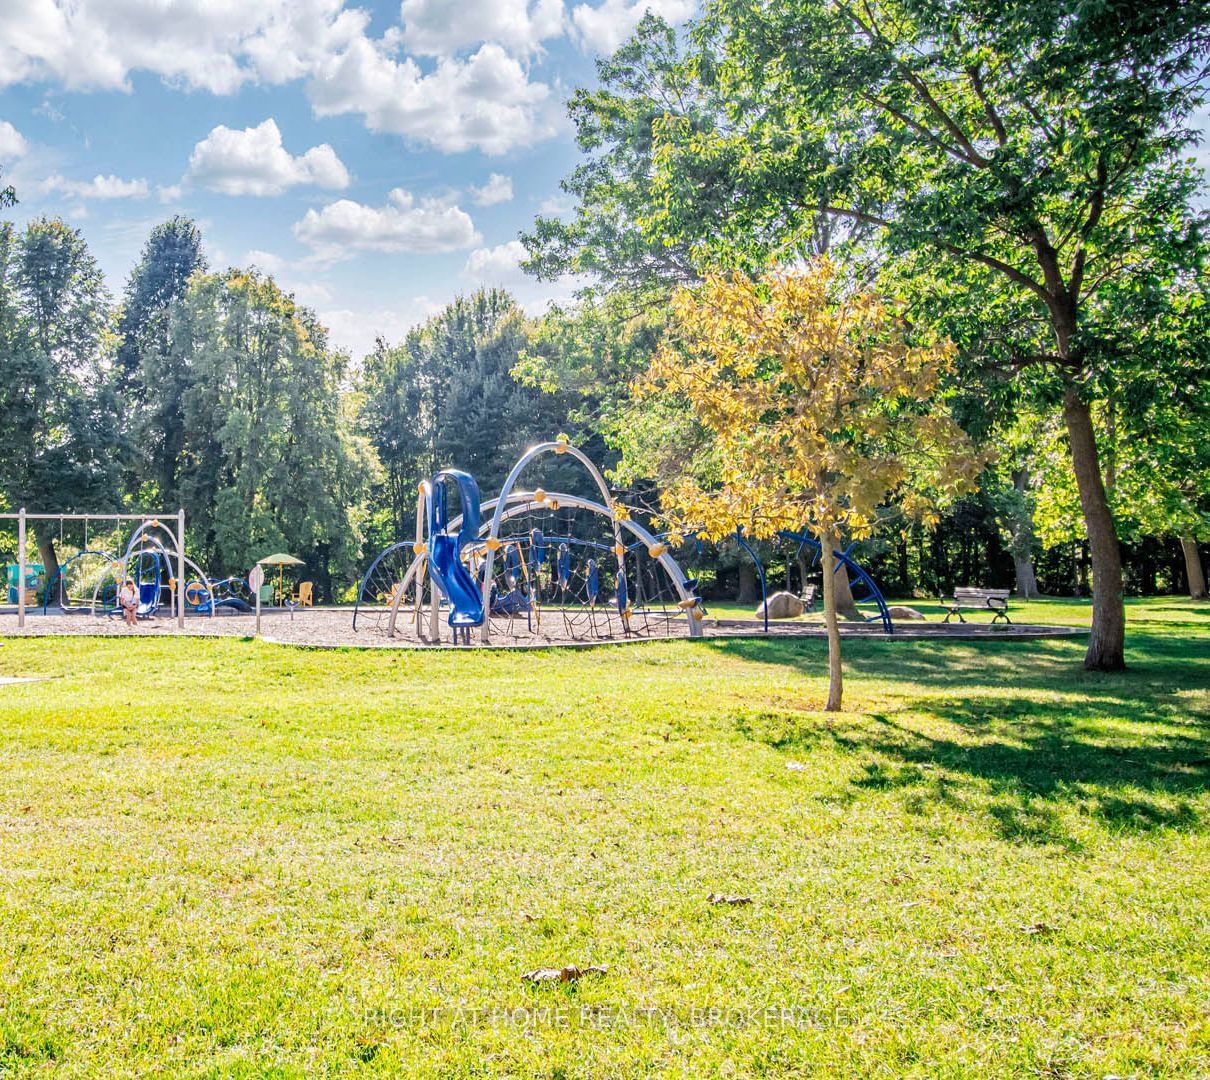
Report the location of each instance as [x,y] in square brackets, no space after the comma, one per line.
[376,158]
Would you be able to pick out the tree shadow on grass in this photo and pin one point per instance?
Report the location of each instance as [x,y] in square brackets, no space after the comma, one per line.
[1018,730]
[1161,666]
[1030,774]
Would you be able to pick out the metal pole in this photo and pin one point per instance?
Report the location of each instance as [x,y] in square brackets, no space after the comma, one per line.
[84,517]
[180,567]
[760,569]
[258,611]
[21,567]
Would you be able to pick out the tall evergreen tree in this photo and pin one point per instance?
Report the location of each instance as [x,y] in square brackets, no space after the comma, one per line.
[150,385]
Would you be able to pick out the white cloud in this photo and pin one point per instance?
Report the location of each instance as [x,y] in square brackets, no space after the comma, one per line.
[604,27]
[498,189]
[295,278]
[12,143]
[403,224]
[442,27]
[169,193]
[557,205]
[498,265]
[254,162]
[99,187]
[356,330]
[485,102]
[271,264]
[215,45]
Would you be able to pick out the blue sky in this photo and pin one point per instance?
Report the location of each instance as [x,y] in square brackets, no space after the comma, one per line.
[377,159]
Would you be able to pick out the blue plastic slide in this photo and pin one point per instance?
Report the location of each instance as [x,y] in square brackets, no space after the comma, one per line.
[445,550]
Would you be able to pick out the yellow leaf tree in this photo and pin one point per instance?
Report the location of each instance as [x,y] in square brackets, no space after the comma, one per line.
[824,411]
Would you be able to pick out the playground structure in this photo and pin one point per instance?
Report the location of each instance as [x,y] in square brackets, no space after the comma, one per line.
[533,565]
[529,565]
[861,585]
[154,557]
[148,560]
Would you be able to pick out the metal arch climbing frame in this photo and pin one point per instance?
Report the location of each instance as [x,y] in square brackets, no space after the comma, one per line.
[873,593]
[559,446]
[361,589]
[147,541]
[760,569]
[59,581]
[522,501]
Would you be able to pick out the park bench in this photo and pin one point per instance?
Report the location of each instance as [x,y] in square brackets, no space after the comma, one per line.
[810,594]
[993,600]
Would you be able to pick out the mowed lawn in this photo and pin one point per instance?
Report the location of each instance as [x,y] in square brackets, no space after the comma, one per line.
[225,858]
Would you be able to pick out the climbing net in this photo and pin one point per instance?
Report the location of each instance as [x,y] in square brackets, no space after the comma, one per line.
[563,556]
[559,574]
[393,591]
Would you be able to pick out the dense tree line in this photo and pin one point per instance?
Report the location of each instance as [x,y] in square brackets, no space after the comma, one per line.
[218,393]
[1014,173]
[1013,176]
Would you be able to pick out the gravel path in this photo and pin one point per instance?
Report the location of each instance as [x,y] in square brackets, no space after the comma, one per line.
[331,627]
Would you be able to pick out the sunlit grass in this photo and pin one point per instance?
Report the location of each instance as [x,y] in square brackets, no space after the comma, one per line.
[226,858]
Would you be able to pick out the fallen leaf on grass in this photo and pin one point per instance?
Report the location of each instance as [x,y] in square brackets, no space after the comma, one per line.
[1036,928]
[734,901]
[563,974]
[394,841]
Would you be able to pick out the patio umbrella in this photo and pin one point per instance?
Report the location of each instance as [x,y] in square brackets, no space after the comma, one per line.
[281,560]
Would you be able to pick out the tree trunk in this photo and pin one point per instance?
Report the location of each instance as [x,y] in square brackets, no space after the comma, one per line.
[1022,545]
[1107,642]
[846,606]
[827,561]
[1027,580]
[748,592]
[47,554]
[1194,573]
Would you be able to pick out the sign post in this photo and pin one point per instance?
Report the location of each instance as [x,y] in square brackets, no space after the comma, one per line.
[255,580]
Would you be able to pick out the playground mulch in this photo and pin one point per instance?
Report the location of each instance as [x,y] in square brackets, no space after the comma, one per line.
[333,628]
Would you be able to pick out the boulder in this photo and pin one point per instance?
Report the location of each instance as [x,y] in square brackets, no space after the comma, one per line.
[901,611]
[781,605]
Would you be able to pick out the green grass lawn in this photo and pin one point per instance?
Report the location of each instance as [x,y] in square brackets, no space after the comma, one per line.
[225,858]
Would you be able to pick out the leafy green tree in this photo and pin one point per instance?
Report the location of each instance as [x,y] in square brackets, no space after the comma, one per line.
[1010,150]
[59,422]
[1155,433]
[269,461]
[8,194]
[616,125]
[447,396]
[151,388]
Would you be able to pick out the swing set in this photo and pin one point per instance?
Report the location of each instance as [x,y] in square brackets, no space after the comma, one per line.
[156,548]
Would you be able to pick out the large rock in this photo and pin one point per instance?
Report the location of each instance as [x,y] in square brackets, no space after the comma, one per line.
[901,611]
[781,605]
